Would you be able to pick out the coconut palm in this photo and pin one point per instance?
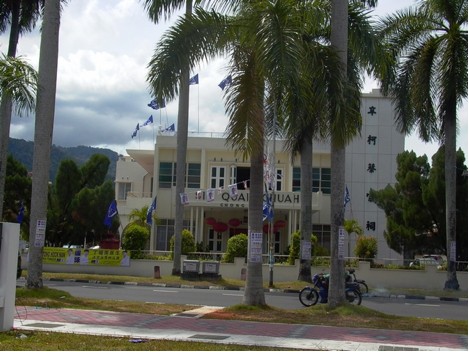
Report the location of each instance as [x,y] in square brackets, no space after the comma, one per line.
[428,81]
[22,16]
[156,9]
[45,107]
[263,41]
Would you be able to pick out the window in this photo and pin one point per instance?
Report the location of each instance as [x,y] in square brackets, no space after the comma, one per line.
[123,189]
[279,180]
[167,176]
[321,180]
[296,179]
[323,232]
[214,241]
[193,175]
[233,174]
[217,178]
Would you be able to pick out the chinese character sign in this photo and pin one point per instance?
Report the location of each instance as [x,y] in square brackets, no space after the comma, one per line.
[255,247]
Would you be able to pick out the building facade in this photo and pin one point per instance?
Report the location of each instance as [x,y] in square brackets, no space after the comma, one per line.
[217,185]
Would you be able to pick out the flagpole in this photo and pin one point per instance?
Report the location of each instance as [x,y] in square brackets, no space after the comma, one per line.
[198,100]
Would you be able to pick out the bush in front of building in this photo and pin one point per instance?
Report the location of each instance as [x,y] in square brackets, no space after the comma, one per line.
[134,239]
[294,252]
[237,246]
[366,248]
[187,243]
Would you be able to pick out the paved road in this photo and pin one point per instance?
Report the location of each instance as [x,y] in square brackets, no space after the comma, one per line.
[225,298]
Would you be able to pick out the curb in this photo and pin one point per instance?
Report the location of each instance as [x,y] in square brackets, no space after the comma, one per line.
[236,288]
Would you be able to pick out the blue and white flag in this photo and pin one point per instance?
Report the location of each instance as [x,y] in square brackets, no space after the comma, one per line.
[226,82]
[148,121]
[346,196]
[111,212]
[194,80]
[169,128]
[134,134]
[154,104]
[150,211]
[20,216]
[267,211]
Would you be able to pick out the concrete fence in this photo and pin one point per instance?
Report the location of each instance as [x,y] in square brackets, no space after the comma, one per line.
[428,278]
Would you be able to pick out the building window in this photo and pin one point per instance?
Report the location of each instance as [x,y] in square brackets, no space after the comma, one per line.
[193,175]
[167,175]
[217,178]
[215,240]
[296,179]
[123,189]
[233,174]
[279,180]
[323,233]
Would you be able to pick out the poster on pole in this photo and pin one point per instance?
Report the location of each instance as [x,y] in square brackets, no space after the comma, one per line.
[341,243]
[255,247]
[40,235]
[305,250]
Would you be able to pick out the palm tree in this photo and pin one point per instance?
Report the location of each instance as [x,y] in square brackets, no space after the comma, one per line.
[22,15]
[156,8]
[45,108]
[428,81]
[18,81]
[263,40]
[352,226]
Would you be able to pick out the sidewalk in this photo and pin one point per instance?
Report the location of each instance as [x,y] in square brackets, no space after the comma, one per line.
[190,326]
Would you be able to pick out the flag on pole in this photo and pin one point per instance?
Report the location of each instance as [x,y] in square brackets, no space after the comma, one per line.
[111,212]
[194,80]
[226,82]
[346,196]
[267,211]
[155,105]
[169,128]
[148,121]
[150,211]
[134,134]
[20,216]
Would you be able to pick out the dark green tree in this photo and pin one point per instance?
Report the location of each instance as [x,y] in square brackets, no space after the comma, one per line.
[428,81]
[134,239]
[237,246]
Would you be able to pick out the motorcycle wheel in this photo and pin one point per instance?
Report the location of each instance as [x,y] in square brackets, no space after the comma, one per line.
[363,286]
[354,297]
[309,296]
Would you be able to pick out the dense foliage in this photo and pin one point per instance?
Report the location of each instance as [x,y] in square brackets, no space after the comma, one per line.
[237,246]
[187,243]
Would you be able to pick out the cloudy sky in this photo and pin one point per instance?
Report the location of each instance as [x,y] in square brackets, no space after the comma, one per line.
[102,92]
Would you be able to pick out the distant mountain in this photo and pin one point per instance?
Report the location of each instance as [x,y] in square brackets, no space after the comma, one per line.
[22,151]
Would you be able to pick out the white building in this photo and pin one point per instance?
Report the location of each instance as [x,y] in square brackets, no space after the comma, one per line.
[213,170]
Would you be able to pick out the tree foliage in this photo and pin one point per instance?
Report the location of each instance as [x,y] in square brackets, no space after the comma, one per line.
[415,206]
[237,246]
[134,239]
[187,243]
[366,248]
[294,249]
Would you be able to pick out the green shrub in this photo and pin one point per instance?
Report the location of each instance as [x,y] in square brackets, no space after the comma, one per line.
[294,252]
[187,243]
[366,248]
[134,239]
[237,246]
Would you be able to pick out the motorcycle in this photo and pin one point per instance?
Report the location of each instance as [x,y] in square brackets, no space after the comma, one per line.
[363,287]
[310,295]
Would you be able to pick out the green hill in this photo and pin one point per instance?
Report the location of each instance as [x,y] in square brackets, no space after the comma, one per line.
[23,150]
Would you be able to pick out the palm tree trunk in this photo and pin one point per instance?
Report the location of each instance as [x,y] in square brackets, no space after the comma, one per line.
[182,129]
[306,207]
[450,197]
[339,34]
[254,291]
[45,110]
[6,104]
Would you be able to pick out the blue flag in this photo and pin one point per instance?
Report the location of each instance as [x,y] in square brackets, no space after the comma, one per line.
[134,134]
[111,212]
[225,82]
[169,128]
[150,211]
[20,216]
[346,196]
[154,104]
[148,121]
[194,80]
[267,211]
